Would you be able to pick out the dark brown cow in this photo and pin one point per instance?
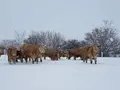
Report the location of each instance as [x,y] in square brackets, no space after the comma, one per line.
[63,53]
[19,56]
[75,52]
[52,53]
[31,51]
[12,54]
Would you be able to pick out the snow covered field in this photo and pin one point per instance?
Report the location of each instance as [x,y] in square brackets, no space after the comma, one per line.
[61,75]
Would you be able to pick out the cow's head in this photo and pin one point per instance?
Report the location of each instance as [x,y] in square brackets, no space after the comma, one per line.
[96,49]
[66,53]
[42,50]
[12,51]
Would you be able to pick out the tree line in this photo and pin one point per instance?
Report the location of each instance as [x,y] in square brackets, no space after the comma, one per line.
[106,36]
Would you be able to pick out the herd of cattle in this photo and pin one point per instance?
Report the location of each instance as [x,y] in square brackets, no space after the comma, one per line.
[34,53]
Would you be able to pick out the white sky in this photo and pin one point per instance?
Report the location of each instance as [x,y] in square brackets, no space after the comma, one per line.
[72,18]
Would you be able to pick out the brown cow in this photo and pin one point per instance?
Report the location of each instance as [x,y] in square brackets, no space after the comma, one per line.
[75,52]
[31,51]
[12,54]
[19,56]
[52,53]
[90,52]
[63,53]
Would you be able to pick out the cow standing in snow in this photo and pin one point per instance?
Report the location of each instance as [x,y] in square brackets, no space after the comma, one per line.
[52,53]
[12,55]
[90,52]
[75,52]
[31,51]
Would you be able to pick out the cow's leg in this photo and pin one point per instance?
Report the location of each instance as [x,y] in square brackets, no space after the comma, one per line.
[26,59]
[44,57]
[29,59]
[41,58]
[57,58]
[91,60]
[83,60]
[95,60]
[86,60]
[69,57]
[9,61]
[21,60]
[37,60]
[74,57]
[52,58]
[32,61]
[16,59]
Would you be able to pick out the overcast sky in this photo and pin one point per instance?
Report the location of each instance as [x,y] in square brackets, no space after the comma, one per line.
[72,18]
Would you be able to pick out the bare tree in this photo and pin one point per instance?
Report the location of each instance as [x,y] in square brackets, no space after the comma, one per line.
[57,40]
[32,38]
[48,38]
[19,37]
[72,43]
[106,36]
[36,38]
[8,43]
[83,43]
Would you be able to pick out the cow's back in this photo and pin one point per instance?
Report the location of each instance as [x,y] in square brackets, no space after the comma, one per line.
[30,49]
